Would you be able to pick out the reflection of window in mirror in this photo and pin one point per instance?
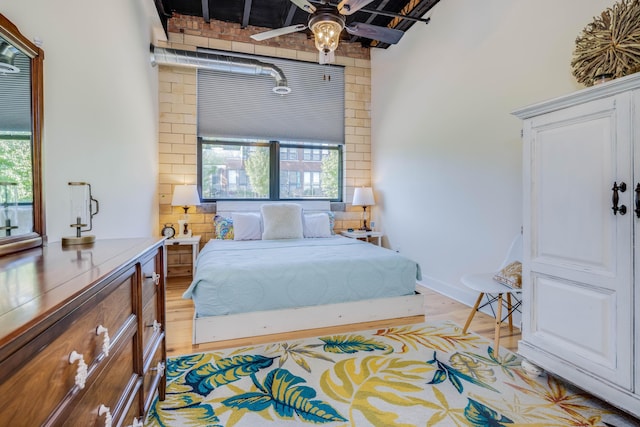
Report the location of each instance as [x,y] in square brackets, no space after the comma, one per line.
[15,140]
[22,222]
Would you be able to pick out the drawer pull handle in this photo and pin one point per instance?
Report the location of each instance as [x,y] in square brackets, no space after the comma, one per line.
[106,411]
[159,368]
[155,277]
[136,423]
[81,372]
[106,341]
[157,326]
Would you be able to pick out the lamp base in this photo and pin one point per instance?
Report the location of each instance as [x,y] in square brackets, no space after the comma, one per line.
[82,240]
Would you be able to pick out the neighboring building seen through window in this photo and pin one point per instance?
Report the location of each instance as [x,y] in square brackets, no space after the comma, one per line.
[269,170]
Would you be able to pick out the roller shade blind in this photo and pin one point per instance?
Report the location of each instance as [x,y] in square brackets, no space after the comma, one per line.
[239,105]
[15,97]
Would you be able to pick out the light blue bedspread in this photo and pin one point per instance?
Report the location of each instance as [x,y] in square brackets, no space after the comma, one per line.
[243,276]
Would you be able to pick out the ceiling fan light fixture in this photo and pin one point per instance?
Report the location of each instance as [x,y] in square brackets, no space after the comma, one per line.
[7,56]
[326,27]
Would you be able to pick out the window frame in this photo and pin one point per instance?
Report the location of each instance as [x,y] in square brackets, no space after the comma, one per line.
[274,166]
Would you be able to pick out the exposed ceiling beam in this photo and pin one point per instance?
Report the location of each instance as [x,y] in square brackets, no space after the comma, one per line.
[246,13]
[205,11]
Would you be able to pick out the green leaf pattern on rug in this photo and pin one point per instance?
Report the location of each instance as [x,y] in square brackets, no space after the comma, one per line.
[350,344]
[456,376]
[360,382]
[298,353]
[483,416]
[191,410]
[207,377]
[178,365]
[508,363]
[395,377]
[281,391]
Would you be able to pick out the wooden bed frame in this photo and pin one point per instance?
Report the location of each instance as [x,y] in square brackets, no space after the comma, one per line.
[259,323]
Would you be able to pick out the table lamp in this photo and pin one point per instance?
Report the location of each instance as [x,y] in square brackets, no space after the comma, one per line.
[363,196]
[185,196]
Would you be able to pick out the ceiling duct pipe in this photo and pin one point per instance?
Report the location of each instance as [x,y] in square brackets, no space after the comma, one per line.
[222,63]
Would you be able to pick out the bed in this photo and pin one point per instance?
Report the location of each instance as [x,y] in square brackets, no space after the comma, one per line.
[253,287]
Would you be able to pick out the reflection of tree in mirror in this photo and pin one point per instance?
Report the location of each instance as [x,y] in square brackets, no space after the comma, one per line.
[15,166]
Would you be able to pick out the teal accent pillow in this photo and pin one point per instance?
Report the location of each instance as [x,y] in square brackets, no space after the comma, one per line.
[223,227]
[332,221]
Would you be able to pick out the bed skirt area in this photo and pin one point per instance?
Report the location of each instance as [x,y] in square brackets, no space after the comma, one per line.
[260,323]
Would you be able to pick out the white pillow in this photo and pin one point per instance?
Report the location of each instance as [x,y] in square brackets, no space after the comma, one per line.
[316,225]
[282,221]
[246,226]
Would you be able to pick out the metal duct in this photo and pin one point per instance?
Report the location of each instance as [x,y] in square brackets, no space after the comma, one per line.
[223,63]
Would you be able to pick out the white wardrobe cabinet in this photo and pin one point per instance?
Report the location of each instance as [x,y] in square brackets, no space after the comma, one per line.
[581,195]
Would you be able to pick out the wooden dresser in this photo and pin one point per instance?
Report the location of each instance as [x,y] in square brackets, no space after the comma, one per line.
[82,339]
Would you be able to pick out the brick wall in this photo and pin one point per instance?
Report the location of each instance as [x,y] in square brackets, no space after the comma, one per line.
[177,140]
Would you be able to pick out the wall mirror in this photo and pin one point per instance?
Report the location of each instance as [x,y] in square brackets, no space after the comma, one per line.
[22,223]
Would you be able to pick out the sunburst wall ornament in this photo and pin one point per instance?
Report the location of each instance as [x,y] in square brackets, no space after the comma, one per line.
[609,47]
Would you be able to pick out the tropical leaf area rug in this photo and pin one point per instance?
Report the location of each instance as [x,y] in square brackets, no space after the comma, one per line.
[429,374]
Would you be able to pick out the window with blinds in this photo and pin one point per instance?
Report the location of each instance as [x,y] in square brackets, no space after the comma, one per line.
[256,144]
[244,106]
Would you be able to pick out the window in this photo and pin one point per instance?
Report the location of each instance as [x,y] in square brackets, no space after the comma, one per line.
[255,145]
[268,170]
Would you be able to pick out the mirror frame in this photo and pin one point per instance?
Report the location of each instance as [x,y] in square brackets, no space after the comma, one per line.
[37,237]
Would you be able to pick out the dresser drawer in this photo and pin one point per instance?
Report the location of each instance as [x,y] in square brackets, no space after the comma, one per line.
[46,360]
[114,389]
[151,326]
[134,413]
[154,375]
[151,278]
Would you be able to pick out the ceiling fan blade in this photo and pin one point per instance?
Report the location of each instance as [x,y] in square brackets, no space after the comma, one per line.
[374,32]
[304,5]
[278,32]
[348,7]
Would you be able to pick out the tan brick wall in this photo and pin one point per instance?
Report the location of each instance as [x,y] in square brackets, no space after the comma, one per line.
[177,143]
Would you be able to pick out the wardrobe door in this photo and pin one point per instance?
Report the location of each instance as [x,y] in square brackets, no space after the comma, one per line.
[579,247]
[636,216]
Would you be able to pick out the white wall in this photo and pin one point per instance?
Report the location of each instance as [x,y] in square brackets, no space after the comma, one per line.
[100,110]
[446,151]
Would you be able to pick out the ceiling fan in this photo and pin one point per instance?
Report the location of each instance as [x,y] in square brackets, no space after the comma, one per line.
[327,22]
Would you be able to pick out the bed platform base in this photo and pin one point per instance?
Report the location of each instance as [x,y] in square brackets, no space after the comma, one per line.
[260,323]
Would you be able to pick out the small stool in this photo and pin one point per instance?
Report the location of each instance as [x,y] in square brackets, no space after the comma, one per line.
[494,291]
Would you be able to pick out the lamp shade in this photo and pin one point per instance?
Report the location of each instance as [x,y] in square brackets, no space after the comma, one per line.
[363,196]
[185,195]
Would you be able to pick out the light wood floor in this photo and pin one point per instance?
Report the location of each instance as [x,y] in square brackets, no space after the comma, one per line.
[437,307]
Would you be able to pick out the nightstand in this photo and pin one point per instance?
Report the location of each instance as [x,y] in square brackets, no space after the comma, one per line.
[194,241]
[364,235]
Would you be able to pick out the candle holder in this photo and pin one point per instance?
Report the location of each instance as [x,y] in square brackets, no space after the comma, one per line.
[8,206]
[82,213]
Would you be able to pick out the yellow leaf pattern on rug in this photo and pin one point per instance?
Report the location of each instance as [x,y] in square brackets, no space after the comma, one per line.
[442,338]
[473,368]
[429,374]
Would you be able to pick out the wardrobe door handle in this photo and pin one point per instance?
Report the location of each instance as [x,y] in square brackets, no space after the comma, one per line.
[616,198]
[637,209]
